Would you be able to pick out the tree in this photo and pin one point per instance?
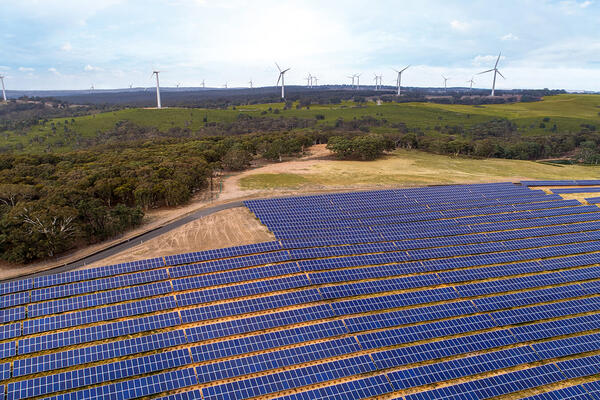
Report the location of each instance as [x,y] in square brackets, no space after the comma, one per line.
[237,158]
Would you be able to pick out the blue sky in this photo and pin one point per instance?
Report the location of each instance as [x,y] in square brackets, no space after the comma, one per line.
[72,44]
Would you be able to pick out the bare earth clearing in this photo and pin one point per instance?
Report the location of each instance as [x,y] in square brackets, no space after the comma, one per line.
[316,172]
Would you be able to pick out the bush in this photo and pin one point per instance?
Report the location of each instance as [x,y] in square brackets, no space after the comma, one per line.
[365,148]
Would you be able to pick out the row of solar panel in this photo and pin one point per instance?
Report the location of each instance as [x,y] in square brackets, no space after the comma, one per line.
[449,209]
[339,218]
[472,215]
[428,239]
[579,182]
[448,229]
[434,222]
[407,195]
[444,201]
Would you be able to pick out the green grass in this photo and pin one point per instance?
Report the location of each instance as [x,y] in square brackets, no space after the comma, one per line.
[568,112]
[414,168]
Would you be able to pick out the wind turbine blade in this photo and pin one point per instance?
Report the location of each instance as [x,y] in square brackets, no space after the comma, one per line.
[278,79]
[278,67]
[283,72]
[485,72]
[500,74]
[405,68]
[497,60]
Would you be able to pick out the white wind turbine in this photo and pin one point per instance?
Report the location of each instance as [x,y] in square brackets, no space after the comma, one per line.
[352,77]
[3,89]
[131,86]
[316,80]
[282,79]
[445,81]
[225,85]
[495,70]
[202,83]
[358,81]
[178,84]
[376,79]
[158,105]
[250,82]
[471,82]
[309,80]
[399,79]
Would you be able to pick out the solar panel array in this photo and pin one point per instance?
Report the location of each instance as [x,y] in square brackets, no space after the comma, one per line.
[450,292]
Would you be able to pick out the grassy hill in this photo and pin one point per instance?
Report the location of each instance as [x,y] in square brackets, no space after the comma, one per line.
[563,113]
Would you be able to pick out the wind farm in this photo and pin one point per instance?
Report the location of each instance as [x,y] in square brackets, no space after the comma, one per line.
[283,200]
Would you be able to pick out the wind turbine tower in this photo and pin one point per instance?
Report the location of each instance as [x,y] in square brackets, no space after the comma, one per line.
[352,77]
[399,79]
[316,80]
[471,82]
[250,82]
[158,105]
[282,79]
[3,89]
[309,81]
[445,81]
[495,70]
[358,81]
[202,83]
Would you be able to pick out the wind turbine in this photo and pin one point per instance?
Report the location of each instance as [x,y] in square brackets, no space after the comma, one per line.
[399,79]
[225,85]
[358,81]
[131,86]
[158,105]
[3,89]
[92,88]
[309,80]
[178,84]
[495,69]
[445,80]
[316,80]
[352,77]
[282,79]
[471,82]
[250,82]
[202,83]
[377,80]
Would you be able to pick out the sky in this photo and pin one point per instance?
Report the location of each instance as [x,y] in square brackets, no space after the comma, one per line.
[74,44]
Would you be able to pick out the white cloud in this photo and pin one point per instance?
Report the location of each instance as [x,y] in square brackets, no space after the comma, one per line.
[26,69]
[460,26]
[66,47]
[4,68]
[572,6]
[54,71]
[89,68]
[486,60]
[509,36]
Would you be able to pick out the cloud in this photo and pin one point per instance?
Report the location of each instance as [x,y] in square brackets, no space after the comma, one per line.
[486,60]
[89,68]
[460,26]
[54,71]
[66,47]
[572,6]
[4,68]
[509,36]
[26,69]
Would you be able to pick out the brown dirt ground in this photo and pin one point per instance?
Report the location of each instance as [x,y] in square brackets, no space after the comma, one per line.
[233,227]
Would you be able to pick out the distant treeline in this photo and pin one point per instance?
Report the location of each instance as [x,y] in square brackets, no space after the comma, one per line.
[221,98]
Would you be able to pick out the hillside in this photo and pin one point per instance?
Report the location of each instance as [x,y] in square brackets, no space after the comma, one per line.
[555,114]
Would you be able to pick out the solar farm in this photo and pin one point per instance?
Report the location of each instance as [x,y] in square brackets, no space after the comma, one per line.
[445,292]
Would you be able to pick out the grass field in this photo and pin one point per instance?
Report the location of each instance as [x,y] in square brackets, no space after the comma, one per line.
[568,112]
[404,167]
